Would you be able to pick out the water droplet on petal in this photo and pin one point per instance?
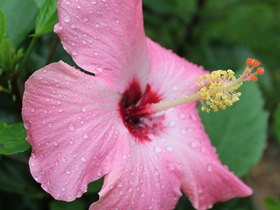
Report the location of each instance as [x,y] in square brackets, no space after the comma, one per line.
[157,149]
[63,188]
[120,184]
[170,166]
[142,194]
[71,127]
[74,52]
[67,18]
[209,168]
[67,171]
[83,159]
[169,148]
[85,135]
[156,172]
[193,145]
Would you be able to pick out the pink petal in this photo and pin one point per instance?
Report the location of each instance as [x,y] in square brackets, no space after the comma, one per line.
[205,180]
[75,129]
[151,179]
[170,75]
[106,38]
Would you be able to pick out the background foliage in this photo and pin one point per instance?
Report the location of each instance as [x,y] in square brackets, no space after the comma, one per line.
[217,34]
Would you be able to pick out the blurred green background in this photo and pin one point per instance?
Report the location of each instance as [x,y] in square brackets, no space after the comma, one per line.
[217,34]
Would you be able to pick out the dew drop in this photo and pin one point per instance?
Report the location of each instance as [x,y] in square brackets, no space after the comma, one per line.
[67,18]
[97,25]
[72,26]
[99,69]
[117,20]
[74,52]
[120,184]
[169,148]
[71,127]
[157,149]
[99,172]
[67,171]
[50,125]
[202,149]
[85,135]
[63,188]
[48,182]
[142,194]
[83,159]
[193,145]
[156,173]
[170,166]
[84,109]
[209,168]
[58,101]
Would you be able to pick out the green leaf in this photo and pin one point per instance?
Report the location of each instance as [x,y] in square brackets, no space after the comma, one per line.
[239,132]
[12,138]
[58,205]
[40,3]
[271,203]
[277,123]
[20,16]
[46,18]
[2,25]
[15,176]
[95,186]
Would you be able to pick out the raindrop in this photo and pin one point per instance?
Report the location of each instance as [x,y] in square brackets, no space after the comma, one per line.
[202,149]
[193,145]
[117,20]
[131,182]
[50,125]
[93,2]
[156,173]
[48,182]
[83,159]
[58,101]
[97,25]
[84,109]
[170,166]
[63,188]
[157,149]
[124,156]
[172,123]
[99,172]
[85,135]
[79,193]
[142,194]
[67,18]
[209,168]
[27,124]
[71,127]
[67,171]
[64,160]
[120,184]
[57,163]
[72,26]
[99,69]
[169,148]
[74,52]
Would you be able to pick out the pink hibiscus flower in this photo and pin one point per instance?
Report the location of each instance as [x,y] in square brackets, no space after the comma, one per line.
[84,127]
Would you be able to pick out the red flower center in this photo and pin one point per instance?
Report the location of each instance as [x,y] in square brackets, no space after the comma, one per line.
[135,113]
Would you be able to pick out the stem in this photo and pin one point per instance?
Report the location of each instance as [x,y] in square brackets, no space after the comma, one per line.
[53,47]
[26,56]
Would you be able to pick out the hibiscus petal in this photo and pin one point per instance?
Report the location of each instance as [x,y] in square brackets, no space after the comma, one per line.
[178,75]
[106,38]
[151,179]
[205,180]
[74,127]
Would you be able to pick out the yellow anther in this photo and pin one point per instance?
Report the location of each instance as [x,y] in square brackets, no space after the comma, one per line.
[218,90]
